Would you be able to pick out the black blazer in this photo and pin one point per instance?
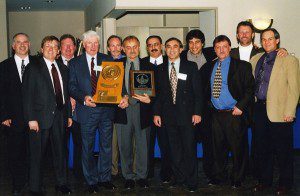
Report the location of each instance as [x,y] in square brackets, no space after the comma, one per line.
[208,52]
[145,109]
[240,83]
[188,95]
[38,94]
[11,93]
[234,53]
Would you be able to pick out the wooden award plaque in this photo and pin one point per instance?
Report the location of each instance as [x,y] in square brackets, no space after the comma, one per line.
[142,82]
[110,83]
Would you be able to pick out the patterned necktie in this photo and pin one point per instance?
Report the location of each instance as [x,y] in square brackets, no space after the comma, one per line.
[173,81]
[93,77]
[260,75]
[22,67]
[217,85]
[57,87]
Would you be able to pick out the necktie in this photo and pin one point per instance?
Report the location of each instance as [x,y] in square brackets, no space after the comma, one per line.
[217,85]
[131,100]
[67,63]
[93,77]
[132,66]
[173,80]
[22,67]
[57,87]
[155,63]
[260,75]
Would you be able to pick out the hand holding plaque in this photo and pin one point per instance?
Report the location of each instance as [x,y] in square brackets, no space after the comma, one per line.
[110,83]
[142,82]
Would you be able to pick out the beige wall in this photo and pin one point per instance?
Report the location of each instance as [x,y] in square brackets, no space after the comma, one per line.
[3,31]
[39,24]
[285,14]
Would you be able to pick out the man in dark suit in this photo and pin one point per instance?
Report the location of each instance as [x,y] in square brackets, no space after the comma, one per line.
[11,114]
[67,52]
[178,108]
[229,91]
[133,123]
[84,73]
[195,40]
[47,110]
[154,61]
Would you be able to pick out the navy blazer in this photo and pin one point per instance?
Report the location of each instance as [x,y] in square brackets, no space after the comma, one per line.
[80,84]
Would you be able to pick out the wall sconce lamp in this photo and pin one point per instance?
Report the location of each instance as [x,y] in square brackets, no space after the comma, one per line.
[261,24]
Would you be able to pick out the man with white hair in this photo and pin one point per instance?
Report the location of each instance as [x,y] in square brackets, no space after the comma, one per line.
[92,116]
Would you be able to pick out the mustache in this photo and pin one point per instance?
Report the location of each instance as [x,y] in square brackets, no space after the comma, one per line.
[154,50]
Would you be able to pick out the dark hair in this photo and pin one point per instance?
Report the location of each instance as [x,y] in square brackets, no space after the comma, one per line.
[195,33]
[17,34]
[65,36]
[221,38]
[276,34]
[112,37]
[49,38]
[174,39]
[245,23]
[154,36]
[130,37]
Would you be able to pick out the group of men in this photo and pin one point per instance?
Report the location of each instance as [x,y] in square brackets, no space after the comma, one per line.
[212,94]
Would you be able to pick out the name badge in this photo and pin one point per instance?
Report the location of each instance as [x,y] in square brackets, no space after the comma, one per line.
[182,76]
[97,68]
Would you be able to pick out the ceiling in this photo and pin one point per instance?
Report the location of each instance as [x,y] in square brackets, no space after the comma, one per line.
[44,5]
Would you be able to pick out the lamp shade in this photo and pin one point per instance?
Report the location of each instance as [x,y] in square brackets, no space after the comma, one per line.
[261,24]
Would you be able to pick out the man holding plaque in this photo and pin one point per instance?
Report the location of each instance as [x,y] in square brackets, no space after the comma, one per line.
[134,122]
[154,61]
[178,108]
[84,73]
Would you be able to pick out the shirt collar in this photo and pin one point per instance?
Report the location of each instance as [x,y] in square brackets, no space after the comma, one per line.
[246,47]
[176,62]
[19,59]
[89,57]
[226,60]
[159,60]
[49,63]
[272,54]
[65,60]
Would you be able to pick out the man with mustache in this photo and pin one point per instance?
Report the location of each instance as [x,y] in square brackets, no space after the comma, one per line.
[11,109]
[154,61]
[133,123]
[229,90]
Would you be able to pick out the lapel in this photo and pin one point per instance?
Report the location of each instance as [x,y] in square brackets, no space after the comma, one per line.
[253,52]
[231,71]
[85,68]
[46,75]
[237,51]
[15,74]
[63,76]
[275,70]
[182,70]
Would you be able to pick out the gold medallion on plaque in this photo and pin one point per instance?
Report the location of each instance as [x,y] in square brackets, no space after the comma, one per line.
[110,83]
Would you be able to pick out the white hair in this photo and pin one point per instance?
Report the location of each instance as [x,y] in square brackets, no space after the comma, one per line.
[89,34]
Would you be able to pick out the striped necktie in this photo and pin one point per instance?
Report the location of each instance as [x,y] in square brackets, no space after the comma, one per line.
[93,77]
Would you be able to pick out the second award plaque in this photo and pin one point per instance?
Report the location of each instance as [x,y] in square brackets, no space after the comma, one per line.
[142,82]
[110,83]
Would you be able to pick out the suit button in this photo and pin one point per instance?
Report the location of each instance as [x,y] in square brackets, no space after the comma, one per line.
[53,112]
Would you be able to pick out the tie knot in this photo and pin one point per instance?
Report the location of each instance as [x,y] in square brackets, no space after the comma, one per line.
[23,61]
[52,65]
[172,63]
[93,59]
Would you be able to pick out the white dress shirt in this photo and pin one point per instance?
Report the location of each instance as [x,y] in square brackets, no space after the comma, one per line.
[89,60]
[65,60]
[49,66]
[159,60]
[176,65]
[245,52]
[18,61]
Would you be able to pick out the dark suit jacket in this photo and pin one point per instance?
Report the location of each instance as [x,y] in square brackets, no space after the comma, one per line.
[38,94]
[145,109]
[11,93]
[240,83]
[80,84]
[209,54]
[188,95]
[234,53]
